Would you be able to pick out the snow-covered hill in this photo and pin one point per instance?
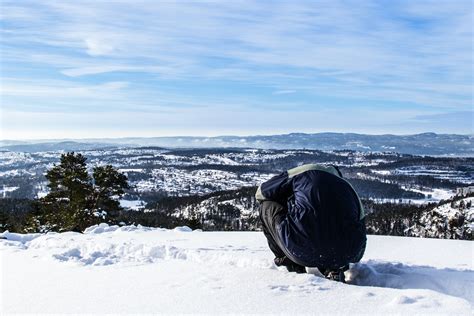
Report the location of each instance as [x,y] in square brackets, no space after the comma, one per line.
[453,220]
[129,269]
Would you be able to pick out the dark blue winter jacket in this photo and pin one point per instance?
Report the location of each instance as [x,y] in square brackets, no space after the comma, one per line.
[324,226]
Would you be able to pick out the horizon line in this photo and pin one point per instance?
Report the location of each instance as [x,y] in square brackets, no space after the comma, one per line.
[217,136]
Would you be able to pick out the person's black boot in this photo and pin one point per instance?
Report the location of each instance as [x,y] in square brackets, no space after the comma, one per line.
[290,265]
[335,274]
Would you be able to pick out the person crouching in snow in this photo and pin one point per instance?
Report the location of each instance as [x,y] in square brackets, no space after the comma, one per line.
[312,217]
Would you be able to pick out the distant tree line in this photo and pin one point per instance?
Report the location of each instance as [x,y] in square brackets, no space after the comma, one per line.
[376,189]
[15,213]
[214,214]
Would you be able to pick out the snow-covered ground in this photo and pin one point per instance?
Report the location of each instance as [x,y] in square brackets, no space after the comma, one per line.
[134,205]
[431,196]
[450,220]
[6,189]
[143,270]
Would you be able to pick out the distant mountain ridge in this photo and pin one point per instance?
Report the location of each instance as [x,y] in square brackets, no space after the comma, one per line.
[417,144]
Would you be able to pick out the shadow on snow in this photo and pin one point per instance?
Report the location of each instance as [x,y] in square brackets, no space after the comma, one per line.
[459,283]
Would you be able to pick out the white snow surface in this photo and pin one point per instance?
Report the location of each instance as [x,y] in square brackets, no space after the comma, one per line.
[136,270]
[135,205]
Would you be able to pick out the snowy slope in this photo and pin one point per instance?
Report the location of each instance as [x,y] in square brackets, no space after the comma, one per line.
[143,270]
[453,220]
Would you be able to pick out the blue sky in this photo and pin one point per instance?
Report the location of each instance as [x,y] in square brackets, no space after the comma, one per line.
[80,69]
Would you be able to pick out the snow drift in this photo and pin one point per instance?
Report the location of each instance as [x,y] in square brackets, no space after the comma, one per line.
[135,269]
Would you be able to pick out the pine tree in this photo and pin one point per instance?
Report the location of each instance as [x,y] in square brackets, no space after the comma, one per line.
[70,186]
[76,200]
[109,186]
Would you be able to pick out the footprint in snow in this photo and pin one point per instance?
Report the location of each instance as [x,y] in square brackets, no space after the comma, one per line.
[452,282]
[403,299]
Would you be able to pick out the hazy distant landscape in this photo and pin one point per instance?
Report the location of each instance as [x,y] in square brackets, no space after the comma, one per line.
[213,188]
[417,144]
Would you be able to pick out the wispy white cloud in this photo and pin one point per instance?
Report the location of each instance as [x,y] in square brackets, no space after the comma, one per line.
[284,92]
[55,89]
[414,53]
[97,47]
